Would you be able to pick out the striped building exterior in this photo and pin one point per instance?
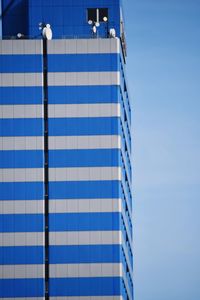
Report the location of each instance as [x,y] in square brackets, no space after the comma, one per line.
[65,170]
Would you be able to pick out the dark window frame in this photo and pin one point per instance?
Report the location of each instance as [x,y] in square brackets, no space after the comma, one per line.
[97,14]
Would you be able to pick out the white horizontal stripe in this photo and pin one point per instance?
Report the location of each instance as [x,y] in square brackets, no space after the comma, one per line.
[60,206]
[21,175]
[83,78]
[21,239]
[66,238]
[85,174]
[60,79]
[21,111]
[21,271]
[85,270]
[60,174]
[84,110]
[20,47]
[82,298]
[60,111]
[22,207]
[61,46]
[86,238]
[61,142]
[84,205]
[62,270]
[84,142]
[21,79]
[83,46]
[21,143]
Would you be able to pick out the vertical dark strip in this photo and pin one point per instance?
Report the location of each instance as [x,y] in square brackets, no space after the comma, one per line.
[46,167]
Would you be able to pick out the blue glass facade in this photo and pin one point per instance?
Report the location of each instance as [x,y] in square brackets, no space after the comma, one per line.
[65,162]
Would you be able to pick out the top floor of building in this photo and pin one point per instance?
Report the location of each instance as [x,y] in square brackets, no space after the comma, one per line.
[68,18]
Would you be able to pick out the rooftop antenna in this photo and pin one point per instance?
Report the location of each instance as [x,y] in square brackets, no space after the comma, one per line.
[95,24]
[112,33]
[46,31]
[20,35]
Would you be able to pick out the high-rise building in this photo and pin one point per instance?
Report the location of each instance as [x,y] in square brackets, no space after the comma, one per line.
[65,162]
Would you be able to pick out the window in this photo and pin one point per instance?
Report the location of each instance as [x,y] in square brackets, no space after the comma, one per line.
[103,13]
[92,14]
[97,14]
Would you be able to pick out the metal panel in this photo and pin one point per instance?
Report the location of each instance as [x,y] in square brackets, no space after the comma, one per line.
[21,143]
[21,111]
[83,78]
[10,239]
[60,174]
[21,271]
[60,111]
[85,142]
[21,207]
[85,238]
[84,110]
[85,270]
[79,174]
[20,79]
[84,205]
[61,142]
[81,46]
[21,175]
[20,47]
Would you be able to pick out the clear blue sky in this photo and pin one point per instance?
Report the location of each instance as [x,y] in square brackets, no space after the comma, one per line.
[164,81]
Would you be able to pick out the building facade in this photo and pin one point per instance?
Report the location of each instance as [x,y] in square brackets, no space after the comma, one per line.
[65,141]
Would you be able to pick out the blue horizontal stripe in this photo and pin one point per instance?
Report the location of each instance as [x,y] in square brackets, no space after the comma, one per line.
[61,126]
[20,63]
[21,255]
[21,190]
[21,127]
[60,222]
[59,190]
[84,158]
[22,223]
[60,94]
[83,94]
[21,159]
[82,62]
[62,63]
[59,158]
[96,286]
[21,95]
[84,189]
[60,254]
[21,288]
[84,221]
[83,126]
[84,254]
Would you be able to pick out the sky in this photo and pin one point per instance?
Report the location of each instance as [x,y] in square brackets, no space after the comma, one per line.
[163,66]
